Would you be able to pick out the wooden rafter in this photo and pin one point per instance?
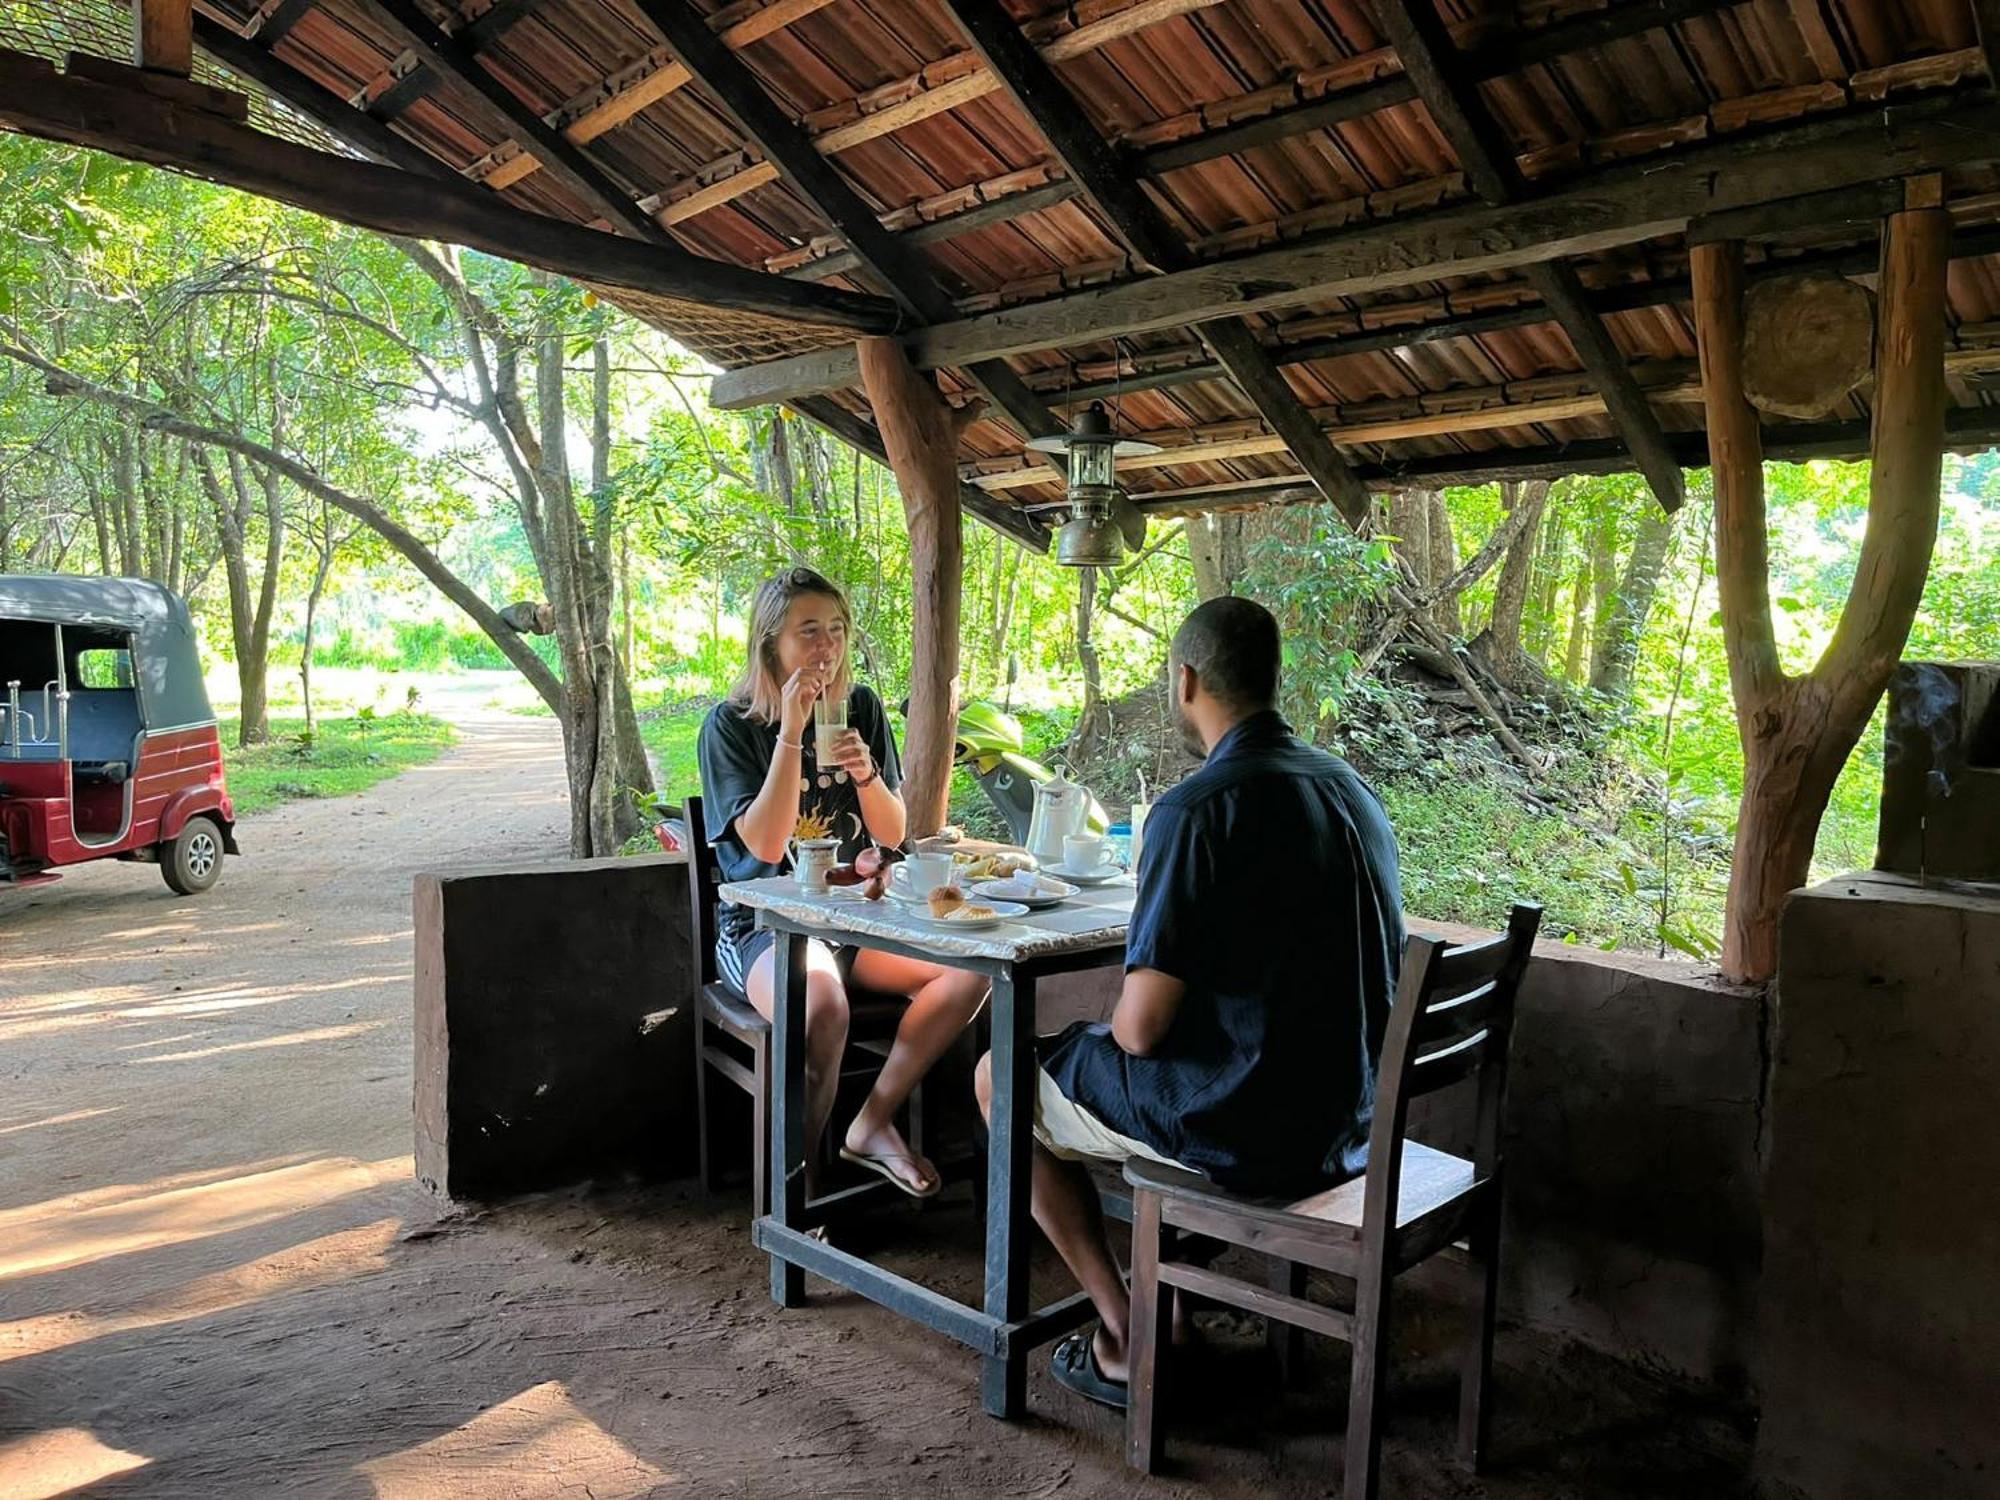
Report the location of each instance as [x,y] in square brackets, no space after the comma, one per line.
[1598,211]
[643,83]
[453,58]
[1402,325]
[1437,70]
[942,216]
[1323,97]
[1986,17]
[1010,520]
[143,127]
[954,81]
[163,36]
[1092,163]
[893,260]
[1438,414]
[1967,430]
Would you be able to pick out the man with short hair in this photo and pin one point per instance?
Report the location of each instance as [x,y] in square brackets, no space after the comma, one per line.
[1259,969]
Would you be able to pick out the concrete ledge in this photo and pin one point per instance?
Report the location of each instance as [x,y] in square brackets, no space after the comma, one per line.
[553,1036]
[1880,1328]
[1633,1116]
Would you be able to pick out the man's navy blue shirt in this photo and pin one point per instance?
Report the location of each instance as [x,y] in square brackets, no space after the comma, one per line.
[1269,887]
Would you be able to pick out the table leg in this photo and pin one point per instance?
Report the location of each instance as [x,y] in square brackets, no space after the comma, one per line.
[788,1108]
[1009,1169]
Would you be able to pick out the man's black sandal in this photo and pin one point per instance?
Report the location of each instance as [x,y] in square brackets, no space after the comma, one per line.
[1074,1364]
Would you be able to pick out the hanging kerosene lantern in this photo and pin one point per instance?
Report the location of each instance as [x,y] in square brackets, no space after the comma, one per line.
[1103,521]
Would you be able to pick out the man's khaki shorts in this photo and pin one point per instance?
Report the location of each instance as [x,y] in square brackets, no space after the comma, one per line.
[1073,1133]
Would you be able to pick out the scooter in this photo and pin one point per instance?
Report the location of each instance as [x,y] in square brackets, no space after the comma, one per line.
[989,745]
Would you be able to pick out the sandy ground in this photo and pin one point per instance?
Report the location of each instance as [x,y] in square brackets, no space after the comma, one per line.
[216,1278]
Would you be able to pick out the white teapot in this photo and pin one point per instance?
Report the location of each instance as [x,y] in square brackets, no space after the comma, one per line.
[1062,808]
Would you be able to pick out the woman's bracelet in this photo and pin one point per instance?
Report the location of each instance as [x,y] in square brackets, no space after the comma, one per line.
[798,745]
[874,776]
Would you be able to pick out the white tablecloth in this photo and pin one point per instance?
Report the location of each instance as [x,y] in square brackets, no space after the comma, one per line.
[1093,918]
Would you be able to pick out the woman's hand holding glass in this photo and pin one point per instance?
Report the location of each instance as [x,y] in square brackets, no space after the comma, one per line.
[849,751]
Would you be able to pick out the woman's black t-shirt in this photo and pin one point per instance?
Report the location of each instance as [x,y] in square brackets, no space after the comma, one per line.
[735,753]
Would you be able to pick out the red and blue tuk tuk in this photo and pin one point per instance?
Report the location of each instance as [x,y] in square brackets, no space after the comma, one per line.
[108,747]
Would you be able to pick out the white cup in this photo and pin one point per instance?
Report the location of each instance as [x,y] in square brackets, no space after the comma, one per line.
[924,873]
[1085,853]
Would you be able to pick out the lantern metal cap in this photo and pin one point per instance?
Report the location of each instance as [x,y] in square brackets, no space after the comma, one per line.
[1092,425]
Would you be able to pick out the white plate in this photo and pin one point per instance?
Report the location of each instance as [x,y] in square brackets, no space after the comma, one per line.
[1003,911]
[998,890]
[1102,875]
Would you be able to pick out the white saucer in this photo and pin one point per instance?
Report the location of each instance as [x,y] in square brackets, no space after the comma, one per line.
[992,890]
[1102,875]
[1003,911]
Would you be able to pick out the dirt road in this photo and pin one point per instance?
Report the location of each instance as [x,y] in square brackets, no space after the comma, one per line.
[216,1279]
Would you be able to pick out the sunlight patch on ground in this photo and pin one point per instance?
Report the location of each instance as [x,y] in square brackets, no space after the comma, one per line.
[536,1446]
[289,1039]
[325,1261]
[59,1463]
[69,1119]
[49,1240]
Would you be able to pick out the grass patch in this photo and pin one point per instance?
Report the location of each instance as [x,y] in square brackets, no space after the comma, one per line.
[346,755]
[671,730]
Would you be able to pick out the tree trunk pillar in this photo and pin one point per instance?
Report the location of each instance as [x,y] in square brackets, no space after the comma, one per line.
[920,433]
[1798,731]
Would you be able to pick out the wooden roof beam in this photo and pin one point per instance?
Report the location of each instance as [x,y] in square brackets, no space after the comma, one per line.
[1986,19]
[1092,163]
[1387,334]
[1449,91]
[454,58]
[1597,211]
[642,83]
[996,201]
[1009,520]
[955,80]
[1482,61]
[142,127]
[897,264]
[163,36]
[1967,430]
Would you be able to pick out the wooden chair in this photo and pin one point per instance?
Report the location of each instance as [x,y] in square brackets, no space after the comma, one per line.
[1453,1013]
[733,1041]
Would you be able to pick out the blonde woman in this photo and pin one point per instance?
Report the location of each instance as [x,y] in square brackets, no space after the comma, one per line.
[763,778]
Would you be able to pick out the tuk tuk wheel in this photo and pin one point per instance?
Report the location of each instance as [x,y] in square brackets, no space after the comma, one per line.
[193,860]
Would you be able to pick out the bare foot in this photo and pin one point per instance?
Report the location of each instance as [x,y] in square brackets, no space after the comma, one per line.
[1110,1358]
[887,1146]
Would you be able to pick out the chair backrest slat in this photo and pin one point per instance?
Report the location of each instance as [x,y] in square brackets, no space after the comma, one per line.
[704,875]
[1456,1015]
[1447,1065]
[1451,1021]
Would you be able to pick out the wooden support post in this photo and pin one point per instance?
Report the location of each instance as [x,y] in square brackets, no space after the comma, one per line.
[920,432]
[163,36]
[1797,732]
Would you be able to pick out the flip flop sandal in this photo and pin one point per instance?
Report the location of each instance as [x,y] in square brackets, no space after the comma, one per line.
[880,1165]
[1074,1364]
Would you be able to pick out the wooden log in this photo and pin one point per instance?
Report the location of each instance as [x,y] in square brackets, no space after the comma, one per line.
[1618,206]
[139,127]
[163,36]
[221,102]
[1807,343]
[921,435]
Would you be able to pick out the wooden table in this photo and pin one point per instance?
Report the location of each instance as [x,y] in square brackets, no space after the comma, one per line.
[1085,932]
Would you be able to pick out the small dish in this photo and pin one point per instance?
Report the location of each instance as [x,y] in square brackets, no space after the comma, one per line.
[1003,911]
[1005,890]
[1102,875]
